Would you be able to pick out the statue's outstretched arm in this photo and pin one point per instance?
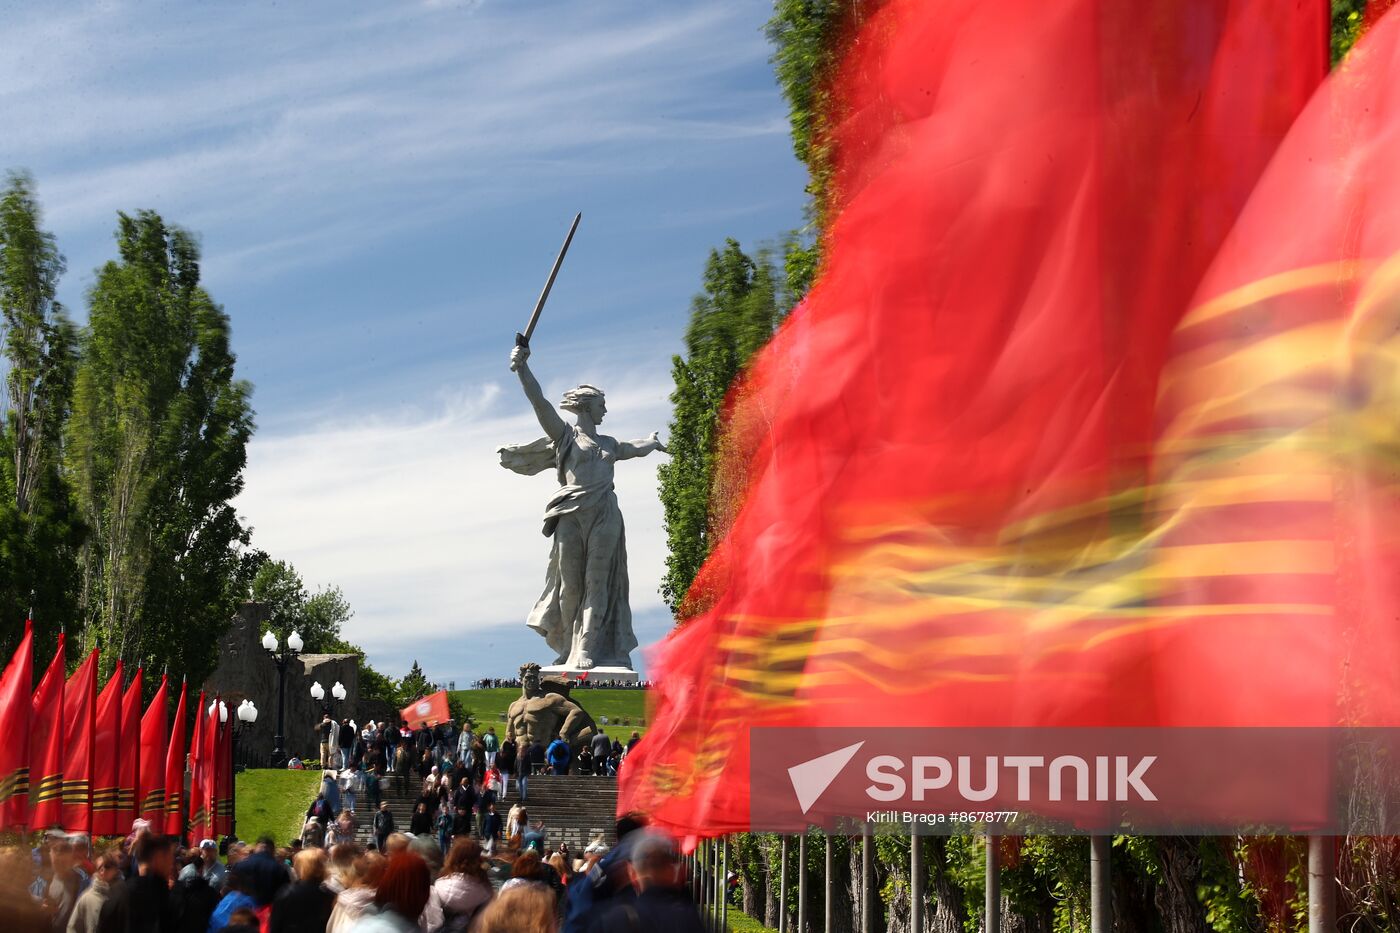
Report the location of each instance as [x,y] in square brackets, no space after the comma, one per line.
[629,449]
[549,418]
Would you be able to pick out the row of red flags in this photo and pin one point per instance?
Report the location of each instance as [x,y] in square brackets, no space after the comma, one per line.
[89,761]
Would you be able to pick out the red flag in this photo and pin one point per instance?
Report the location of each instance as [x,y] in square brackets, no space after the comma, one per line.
[944,459]
[197,826]
[107,756]
[175,770]
[80,746]
[46,746]
[155,744]
[430,710]
[129,763]
[15,713]
[223,780]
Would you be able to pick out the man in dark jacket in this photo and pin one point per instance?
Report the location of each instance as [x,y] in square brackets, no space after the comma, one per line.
[266,875]
[346,743]
[143,903]
[661,902]
[383,826]
[601,747]
[305,905]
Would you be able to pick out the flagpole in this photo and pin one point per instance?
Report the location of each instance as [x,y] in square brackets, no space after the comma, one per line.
[1322,886]
[1100,894]
[993,869]
[867,903]
[783,886]
[916,883]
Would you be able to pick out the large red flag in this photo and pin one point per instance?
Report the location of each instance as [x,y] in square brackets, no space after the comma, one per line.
[175,770]
[79,740]
[426,711]
[198,824]
[46,746]
[155,745]
[107,756]
[129,764]
[223,779]
[945,458]
[15,713]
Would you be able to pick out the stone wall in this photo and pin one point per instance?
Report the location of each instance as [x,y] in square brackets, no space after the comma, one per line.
[247,671]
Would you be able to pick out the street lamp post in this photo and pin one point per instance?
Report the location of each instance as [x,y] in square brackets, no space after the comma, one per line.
[280,657]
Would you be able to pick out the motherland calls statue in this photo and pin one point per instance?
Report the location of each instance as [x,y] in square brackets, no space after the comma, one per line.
[583,613]
[545,710]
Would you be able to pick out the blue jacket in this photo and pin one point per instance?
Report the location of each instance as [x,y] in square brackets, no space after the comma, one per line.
[558,752]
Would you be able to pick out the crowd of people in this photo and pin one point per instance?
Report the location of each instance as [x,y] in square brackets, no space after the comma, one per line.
[585,684]
[408,884]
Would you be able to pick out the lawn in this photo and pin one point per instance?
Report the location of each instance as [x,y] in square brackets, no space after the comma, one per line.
[273,802]
[625,709]
[741,922]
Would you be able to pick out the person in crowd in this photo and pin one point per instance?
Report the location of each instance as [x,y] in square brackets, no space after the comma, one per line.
[320,810]
[327,732]
[345,740]
[601,747]
[560,863]
[20,911]
[243,920]
[60,879]
[193,897]
[531,868]
[295,764]
[400,898]
[347,781]
[210,867]
[536,757]
[590,895]
[313,834]
[341,868]
[558,755]
[516,822]
[390,737]
[106,881]
[422,822]
[584,765]
[465,795]
[521,909]
[490,828]
[617,748]
[305,905]
[142,904]
[344,829]
[461,891]
[330,789]
[403,763]
[383,825]
[358,895]
[487,800]
[442,825]
[265,872]
[490,745]
[662,901]
[430,784]
[632,743]
[464,746]
[373,792]
[461,823]
[505,762]
[533,837]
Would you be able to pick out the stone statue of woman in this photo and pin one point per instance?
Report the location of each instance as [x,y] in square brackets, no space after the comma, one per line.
[583,613]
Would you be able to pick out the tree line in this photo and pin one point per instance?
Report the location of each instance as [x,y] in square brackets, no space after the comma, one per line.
[123,444]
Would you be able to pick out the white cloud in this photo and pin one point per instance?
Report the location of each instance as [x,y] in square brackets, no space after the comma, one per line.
[435,544]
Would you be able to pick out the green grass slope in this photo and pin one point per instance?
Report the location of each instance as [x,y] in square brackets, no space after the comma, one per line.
[626,710]
[273,802]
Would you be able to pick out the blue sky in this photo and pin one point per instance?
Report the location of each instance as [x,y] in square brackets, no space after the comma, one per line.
[379,189]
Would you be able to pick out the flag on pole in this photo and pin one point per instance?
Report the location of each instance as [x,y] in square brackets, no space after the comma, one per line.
[223,780]
[955,501]
[107,756]
[46,746]
[79,740]
[430,710]
[198,824]
[175,770]
[129,763]
[15,713]
[155,745]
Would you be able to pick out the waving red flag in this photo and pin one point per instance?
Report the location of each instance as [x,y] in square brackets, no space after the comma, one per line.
[155,745]
[46,746]
[946,456]
[107,755]
[223,780]
[197,826]
[129,758]
[15,713]
[174,804]
[79,740]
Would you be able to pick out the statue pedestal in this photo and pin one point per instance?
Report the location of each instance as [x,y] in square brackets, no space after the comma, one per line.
[596,675]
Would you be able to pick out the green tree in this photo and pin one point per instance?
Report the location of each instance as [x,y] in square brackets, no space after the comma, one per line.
[317,617]
[156,448]
[39,528]
[729,320]
[414,685]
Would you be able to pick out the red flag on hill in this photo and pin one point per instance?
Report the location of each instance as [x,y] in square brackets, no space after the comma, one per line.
[79,740]
[430,710]
[46,746]
[197,826]
[107,756]
[129,758]
[155,746]
[174,771]
[952,512]
[15,713]
[223,780]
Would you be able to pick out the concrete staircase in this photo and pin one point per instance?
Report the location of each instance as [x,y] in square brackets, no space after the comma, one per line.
[574,808]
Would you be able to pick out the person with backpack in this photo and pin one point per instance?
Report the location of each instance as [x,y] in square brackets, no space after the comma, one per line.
[382,827]
[558,755]
[491,745]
